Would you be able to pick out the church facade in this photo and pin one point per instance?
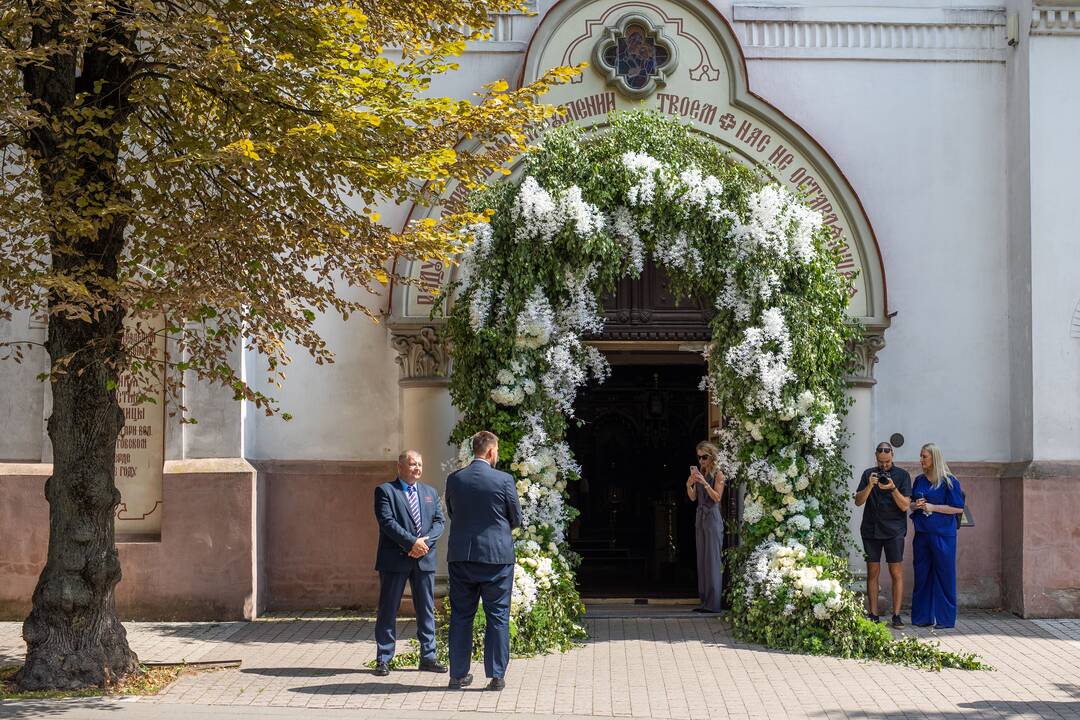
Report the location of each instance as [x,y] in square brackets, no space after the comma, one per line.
[937,139]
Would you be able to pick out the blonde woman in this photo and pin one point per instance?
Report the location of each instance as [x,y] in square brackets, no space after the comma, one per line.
[706,487]
[937,500]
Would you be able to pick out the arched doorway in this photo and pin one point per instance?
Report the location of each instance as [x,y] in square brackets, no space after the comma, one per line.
[634,437]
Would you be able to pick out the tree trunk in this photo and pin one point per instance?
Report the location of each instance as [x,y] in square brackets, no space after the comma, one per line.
[73,636]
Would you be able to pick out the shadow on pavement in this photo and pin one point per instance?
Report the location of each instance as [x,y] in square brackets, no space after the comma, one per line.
[304,671]
[983,708]
[378,688]
[17,709]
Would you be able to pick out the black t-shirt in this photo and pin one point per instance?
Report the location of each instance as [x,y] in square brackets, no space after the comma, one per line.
[882,519]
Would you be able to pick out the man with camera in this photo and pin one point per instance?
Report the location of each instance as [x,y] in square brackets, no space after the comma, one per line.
[886,491]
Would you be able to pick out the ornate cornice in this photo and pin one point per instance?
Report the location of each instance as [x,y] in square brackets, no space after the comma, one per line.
[885,33]
[1059,18]
[865,352]
[423,356]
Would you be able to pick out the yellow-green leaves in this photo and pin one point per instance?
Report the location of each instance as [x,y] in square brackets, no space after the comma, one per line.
[255,141]
[244,148]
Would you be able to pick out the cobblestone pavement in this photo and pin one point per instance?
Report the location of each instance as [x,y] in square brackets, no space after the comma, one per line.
[663,665]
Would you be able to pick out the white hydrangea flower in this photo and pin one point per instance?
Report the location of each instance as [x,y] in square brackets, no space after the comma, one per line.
[524,593]
[508,395]
[800,522]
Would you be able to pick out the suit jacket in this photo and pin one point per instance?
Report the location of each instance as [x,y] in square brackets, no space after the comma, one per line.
[483,506]
[397,531]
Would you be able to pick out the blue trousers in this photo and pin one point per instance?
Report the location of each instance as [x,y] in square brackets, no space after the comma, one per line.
[471,582]
[391,587]
[933,599]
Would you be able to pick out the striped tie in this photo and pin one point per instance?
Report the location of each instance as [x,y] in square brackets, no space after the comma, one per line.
[414,507]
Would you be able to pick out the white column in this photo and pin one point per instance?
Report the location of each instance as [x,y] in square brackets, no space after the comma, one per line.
[859,423]
[860,426]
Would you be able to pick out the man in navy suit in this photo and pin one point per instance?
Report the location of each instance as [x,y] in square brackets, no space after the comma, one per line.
[483,506]
[410,521]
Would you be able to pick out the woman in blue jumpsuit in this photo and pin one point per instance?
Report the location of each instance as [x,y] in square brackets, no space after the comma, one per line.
[937,500]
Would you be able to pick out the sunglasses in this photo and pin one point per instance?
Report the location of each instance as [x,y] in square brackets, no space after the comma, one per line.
[703,457]
[884,450]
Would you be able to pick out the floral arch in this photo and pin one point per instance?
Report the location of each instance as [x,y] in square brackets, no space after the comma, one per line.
[580,216]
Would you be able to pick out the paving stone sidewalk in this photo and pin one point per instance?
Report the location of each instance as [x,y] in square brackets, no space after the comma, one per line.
[667,665]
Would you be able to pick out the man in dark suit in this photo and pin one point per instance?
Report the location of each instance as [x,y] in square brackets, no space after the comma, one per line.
[410,521]
[483,506]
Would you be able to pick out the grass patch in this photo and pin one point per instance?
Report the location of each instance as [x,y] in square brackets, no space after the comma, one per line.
[149,680]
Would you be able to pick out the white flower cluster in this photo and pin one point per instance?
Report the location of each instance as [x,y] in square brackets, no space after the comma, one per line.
[730,298]
[542,468]
[523,595]
[580,312]
[514,385]
[482,240]
[645,167]
[678,253]
[480,305]
[622,223]
[819,424]
[778,225]
[541,215]
[703,192]
[534,572]
[773,566]
[536,323]
[542,507]
[762,355]
[535,212]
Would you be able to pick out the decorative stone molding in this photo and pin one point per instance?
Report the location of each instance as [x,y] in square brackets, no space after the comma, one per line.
[1059,18]
[873,341]
[886,33]
[510,32]
[423,356]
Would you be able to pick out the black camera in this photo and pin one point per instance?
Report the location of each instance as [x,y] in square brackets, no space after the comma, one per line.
[884,477]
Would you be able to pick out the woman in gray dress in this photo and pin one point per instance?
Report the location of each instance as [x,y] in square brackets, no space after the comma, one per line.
[706,486]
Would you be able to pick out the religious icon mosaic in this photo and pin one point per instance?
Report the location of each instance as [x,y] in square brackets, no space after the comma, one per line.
[635,56]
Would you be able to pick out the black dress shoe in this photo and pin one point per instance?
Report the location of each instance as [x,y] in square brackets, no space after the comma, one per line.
[496,684]
[382,669]
[461,682]
[431,666]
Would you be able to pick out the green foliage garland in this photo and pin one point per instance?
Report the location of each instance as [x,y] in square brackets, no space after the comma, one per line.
[582,216]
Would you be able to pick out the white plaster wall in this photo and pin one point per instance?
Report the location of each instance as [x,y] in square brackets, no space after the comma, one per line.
[349,410]
[1055,247]
[22,395]
[922,144]
[353,408]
